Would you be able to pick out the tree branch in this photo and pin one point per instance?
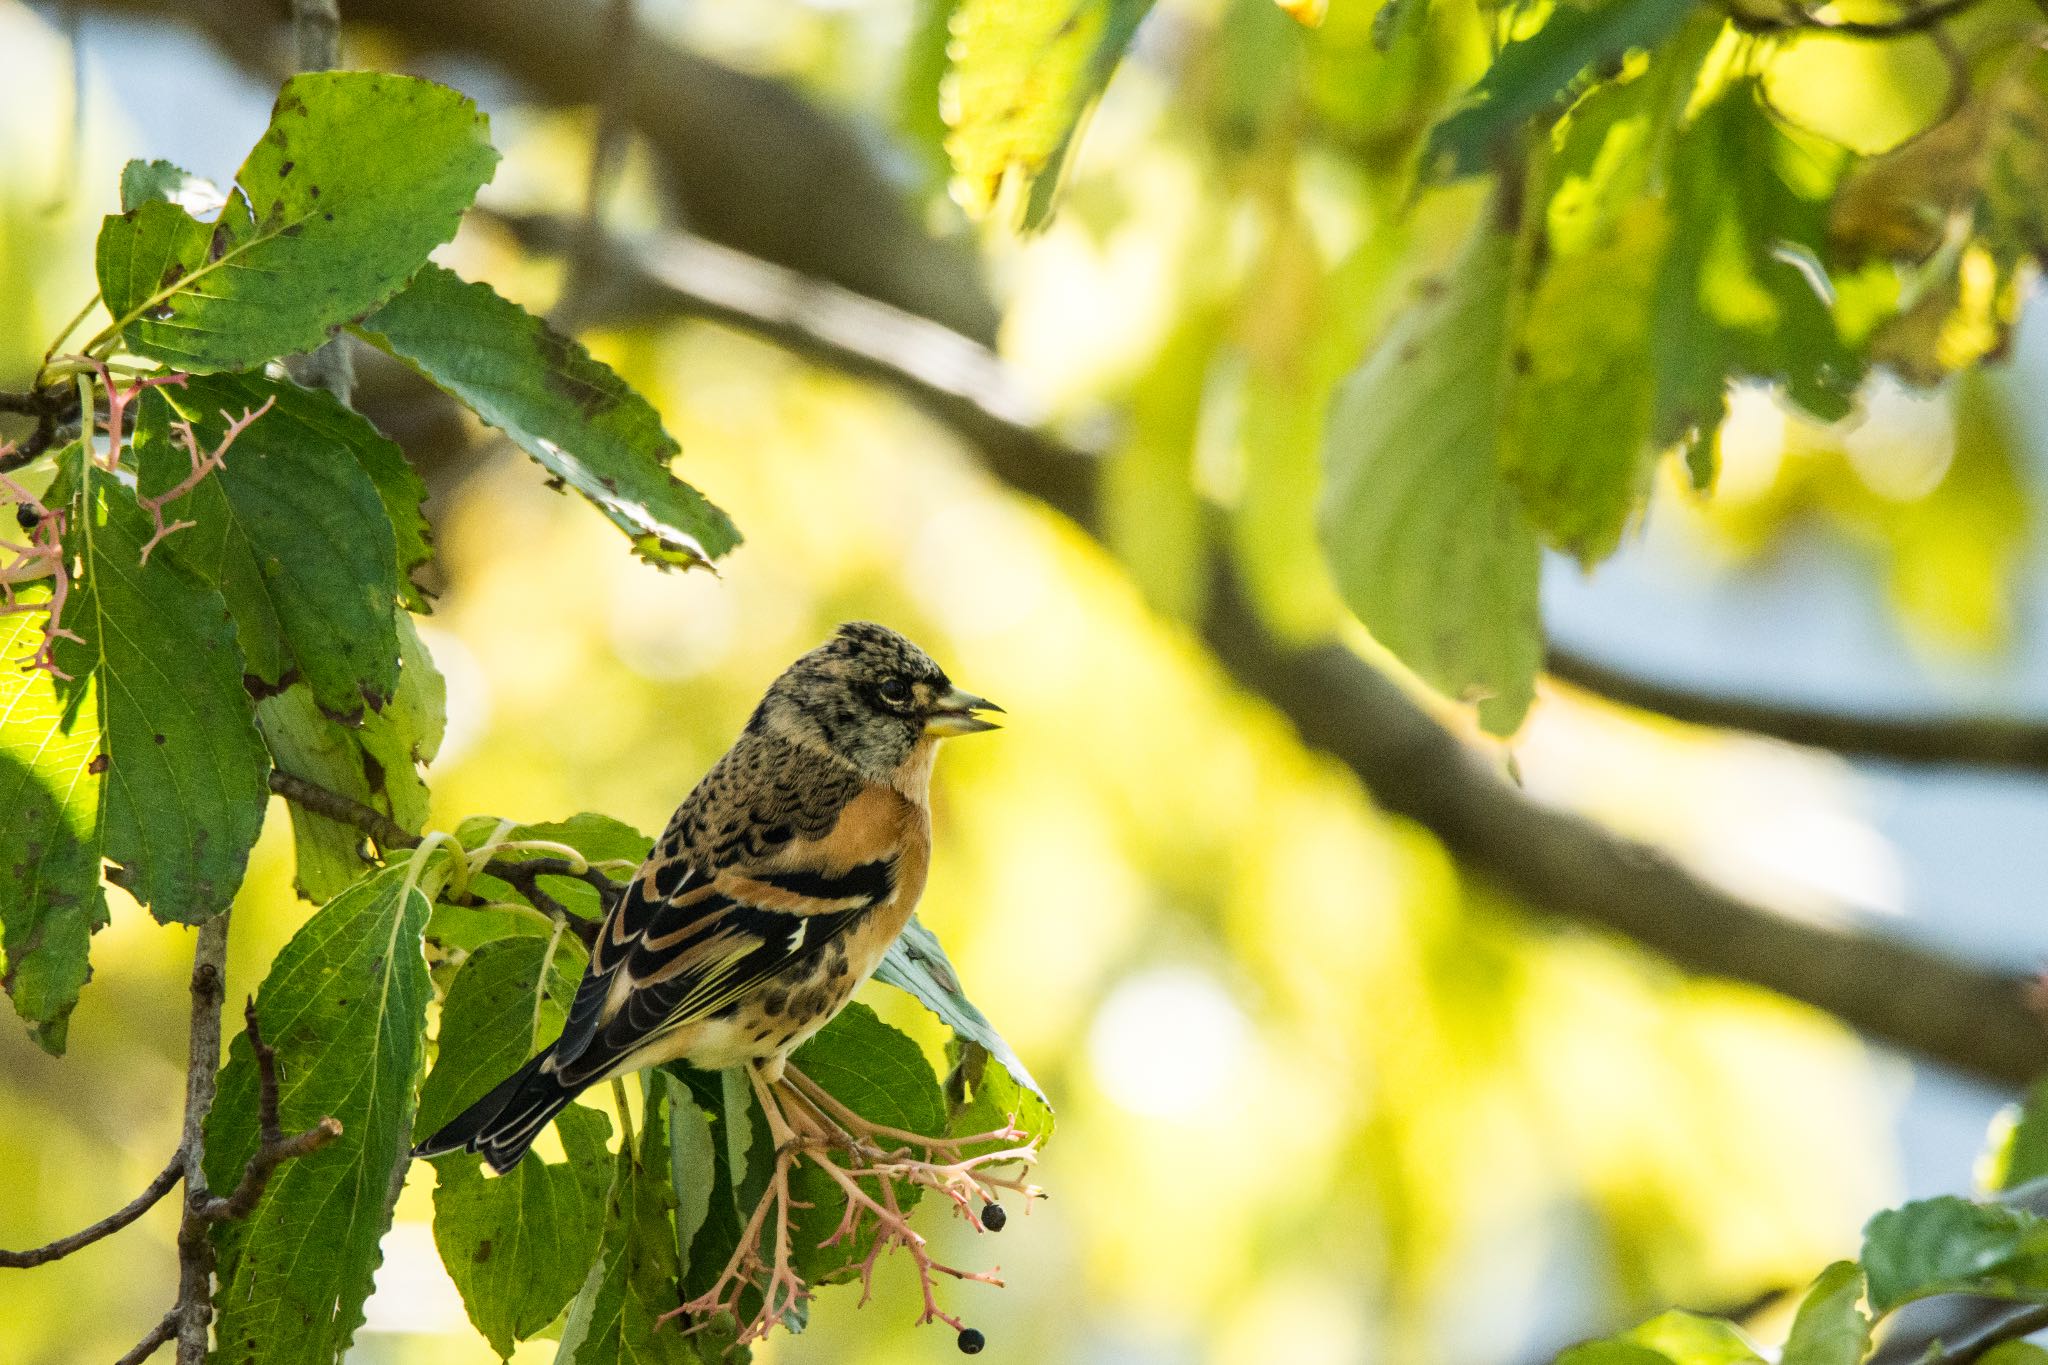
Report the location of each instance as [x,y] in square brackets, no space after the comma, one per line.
[1963,1016]
[112,1223]
[521,873]
[194,1307]
[1978,741]
[273,1146]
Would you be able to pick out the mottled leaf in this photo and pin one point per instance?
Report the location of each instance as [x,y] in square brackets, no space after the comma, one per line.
[585,425]
[143,181]
[359,176]
[1021,77]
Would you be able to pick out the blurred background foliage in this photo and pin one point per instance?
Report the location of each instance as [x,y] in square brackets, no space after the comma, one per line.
[1324,1096]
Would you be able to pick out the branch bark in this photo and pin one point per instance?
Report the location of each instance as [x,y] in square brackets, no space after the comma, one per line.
[1963,1016]
[1973,741]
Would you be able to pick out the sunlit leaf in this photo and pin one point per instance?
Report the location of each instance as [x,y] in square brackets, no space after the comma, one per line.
[1531,74]
[345,1006]
[1022,76]
[359,176]
[1427,540]
[570,412]
[50,897]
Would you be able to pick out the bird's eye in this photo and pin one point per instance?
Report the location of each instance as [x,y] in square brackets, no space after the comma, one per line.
[895,691]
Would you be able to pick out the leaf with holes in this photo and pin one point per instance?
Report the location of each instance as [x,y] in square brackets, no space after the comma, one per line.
[358,177]
[181,778]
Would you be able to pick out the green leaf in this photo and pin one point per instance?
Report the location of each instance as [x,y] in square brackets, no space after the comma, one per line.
[1577,438]
[376,761]
[1530,75]
[182,776]
[585,425]
[51,902]
[1690,1339]
[2014,1353]
[1022,76]
[2024,1154]
[1742,294]
[1950,1245]
[693,1161]
[881,1074]
[613,1319]
[1428,543]
[496,1016]
[144,181]
[360,175]
[915,963]
[288,527]
[1831,1327]
[345,1006]
[519,1246]
[1616,1351]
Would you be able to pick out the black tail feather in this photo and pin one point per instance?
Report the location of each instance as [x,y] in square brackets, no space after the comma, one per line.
[504,1123]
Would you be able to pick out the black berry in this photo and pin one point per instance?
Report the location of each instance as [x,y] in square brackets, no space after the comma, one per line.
[971,1341]
[993,1217]
[27,516]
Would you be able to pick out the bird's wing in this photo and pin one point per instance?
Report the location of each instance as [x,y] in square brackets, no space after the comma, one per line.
[692,935]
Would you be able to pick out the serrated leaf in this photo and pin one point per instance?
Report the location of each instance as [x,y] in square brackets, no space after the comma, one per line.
[569,411]
[1831,1327]
[1531,75]
[918,965]
[359,176]
[181,776]
[376,761]
[345,1006]
[143,181]
[693,1162]
[495,1017]
[613,1319]
[519,1245]
[51,902]
[1428,542]
[289,528]
[1021,76]
[1950,1245]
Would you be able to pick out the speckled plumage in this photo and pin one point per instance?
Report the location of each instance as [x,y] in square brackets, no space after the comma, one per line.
[777,887]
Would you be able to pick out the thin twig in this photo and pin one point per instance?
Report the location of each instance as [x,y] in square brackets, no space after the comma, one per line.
[522,873]
[273,1146]
[1962,1015]
[165,1329]
[112,1223]
[194,1308]
[1964,740]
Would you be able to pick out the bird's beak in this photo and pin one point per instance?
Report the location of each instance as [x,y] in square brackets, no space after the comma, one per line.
[955,715]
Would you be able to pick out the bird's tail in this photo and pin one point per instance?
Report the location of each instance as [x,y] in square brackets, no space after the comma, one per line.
[504,1123]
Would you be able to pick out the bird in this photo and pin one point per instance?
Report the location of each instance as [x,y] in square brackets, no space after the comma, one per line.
[774,891]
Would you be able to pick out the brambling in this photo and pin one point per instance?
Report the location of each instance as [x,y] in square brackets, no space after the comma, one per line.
[773,893]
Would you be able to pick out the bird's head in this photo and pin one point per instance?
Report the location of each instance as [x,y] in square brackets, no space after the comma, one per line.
[868,695]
